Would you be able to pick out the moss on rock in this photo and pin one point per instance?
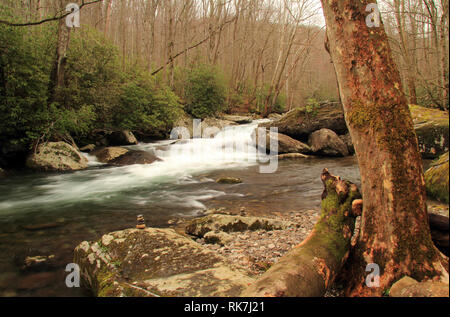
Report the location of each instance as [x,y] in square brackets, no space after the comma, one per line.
[436,178]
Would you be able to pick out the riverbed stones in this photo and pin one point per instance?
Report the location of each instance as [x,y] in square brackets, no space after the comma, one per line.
[327,143]
[156,262]
[227,223]
[437,178]
[56,156]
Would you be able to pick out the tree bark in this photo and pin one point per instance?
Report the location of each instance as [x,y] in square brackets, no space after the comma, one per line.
[395,232]
[311,267]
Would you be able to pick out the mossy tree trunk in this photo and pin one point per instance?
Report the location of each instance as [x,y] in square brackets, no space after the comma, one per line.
[311,267]
[395,233]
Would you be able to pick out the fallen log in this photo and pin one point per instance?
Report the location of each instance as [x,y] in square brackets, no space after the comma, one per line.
[311,267]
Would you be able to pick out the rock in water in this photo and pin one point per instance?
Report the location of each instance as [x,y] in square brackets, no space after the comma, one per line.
[286,144]
[122,138]
[326,142]
[134,157]
[56,156]
[299,123]
[156,262]
[108,154]
[229,180]
[436,179]
[432,129]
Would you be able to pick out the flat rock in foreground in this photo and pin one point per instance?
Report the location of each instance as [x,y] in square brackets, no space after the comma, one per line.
[156,262]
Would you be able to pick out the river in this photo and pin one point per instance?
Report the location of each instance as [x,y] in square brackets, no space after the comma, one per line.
[50,214]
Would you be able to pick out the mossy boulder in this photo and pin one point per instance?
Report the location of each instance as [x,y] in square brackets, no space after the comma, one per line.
[436,179]
[432,129]
[56,156]
[299,123]
[156,262]
[226,223]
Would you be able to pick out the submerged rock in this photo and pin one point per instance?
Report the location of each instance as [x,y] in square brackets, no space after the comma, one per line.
[39,263]
[436,179]
[156,262]
[108,154]
[134,157]
[408,287]
[56,156]
[326,142]
[432,129]
[229,180]
[225,223]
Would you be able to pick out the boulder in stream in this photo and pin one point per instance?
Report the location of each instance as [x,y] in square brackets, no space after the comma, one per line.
[56,156]
[156,262]
[299,123]
[326,142]
[108,154]
[134,157]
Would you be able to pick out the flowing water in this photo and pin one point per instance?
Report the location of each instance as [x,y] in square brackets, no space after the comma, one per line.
[49,214]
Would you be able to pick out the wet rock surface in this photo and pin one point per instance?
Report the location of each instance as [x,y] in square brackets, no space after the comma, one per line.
[327,143]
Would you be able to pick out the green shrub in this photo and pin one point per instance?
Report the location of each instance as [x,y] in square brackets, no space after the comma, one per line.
[146,107]
[205,92]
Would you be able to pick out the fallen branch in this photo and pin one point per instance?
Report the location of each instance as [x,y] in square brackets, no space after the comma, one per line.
[311,267]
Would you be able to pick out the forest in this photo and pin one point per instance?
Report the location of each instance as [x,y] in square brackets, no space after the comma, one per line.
[92,93]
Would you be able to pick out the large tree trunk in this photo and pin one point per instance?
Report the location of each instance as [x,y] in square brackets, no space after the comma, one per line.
[311,267]
[395,232]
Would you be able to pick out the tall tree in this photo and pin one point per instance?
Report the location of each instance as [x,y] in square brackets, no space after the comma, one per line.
[394,232]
